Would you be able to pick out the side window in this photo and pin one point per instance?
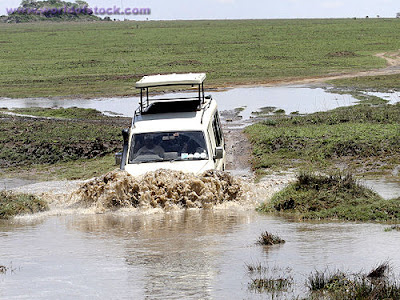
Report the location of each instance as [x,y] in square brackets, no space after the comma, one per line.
[217,130]
[211,137]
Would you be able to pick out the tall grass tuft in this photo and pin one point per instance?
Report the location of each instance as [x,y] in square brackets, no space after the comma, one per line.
[267,239]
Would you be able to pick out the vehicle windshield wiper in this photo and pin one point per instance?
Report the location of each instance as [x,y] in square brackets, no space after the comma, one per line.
[148,161]
[173,159]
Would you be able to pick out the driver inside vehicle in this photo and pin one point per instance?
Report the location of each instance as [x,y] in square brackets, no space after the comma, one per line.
[192,146]
[150,147]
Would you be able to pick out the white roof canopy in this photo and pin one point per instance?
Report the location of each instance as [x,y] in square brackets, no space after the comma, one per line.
[171,79]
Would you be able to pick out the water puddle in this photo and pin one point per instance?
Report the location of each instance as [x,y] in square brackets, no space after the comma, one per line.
[289,98]
[392,97]
[387,189]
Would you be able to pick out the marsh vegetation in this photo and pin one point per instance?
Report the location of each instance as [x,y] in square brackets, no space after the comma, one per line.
[377,284]
[268,239]
[12,204]
[363,137]
[335,196]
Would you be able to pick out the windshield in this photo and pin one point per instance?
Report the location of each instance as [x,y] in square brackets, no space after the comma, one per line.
[168,146]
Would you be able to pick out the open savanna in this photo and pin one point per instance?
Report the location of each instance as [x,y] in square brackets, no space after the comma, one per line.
[104,59]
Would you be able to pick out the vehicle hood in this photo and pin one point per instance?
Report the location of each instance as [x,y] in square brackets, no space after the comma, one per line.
[196,167]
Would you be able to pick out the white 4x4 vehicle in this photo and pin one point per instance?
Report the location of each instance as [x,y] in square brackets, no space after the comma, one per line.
[182,133]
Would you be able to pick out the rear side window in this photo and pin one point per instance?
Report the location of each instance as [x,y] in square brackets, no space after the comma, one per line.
[217,130]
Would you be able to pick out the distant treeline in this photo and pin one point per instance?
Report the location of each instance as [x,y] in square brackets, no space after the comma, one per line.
[50,10]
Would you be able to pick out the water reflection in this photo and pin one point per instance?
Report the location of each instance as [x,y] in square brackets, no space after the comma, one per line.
[384,187]
[392,97]
[175,253]
[188,254]
[290,98]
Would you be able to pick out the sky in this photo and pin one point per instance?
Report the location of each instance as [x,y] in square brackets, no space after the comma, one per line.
[244,9]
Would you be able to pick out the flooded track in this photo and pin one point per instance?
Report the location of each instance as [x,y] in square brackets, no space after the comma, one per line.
[93,245]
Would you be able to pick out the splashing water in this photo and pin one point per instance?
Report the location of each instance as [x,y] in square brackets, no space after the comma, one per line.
[164,189]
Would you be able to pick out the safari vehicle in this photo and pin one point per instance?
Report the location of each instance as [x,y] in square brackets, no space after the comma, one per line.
[179,133]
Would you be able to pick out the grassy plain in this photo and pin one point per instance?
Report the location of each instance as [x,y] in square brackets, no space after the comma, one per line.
[365,138]
[377,83]
[104,59]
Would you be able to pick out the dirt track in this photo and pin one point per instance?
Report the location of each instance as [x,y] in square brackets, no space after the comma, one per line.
[238,150]
[393,67]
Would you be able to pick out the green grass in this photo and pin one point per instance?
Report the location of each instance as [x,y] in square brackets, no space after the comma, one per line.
[70,170]
[52,148]
[360,135]
[15,204]
[63,113]
[332,197]
[378,83]
[106,58]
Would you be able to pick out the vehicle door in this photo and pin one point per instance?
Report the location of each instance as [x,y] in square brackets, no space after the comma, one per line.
[217,141]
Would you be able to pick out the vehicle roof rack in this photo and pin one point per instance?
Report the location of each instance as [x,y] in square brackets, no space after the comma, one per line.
[147,82]
[171,79]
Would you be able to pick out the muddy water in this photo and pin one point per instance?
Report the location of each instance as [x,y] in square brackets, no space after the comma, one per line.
[96,245]
[165,189]
[192,254]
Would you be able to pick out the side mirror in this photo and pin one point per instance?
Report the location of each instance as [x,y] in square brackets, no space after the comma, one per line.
[219,153]
[118,158]
[125,135]
[123,155]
